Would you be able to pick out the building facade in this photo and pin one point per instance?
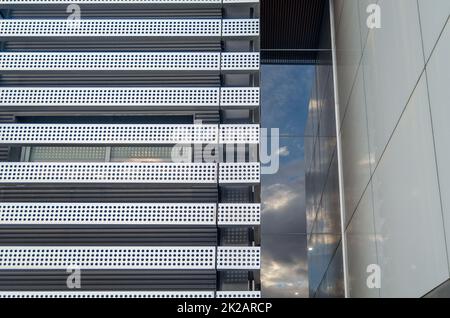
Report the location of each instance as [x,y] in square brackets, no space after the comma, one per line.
[129,148]
[392,131]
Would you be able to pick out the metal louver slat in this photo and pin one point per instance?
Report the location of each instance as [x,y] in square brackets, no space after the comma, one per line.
[242,172]
[126,96]
[137,61]
[49,172]
[239,214]
[238,294]
[141,28]
[111,61]
[17,213]
[239,96]
[237,134]
[201,2]
[18,172]
[238,257]
[96,134]
[106,294]
[105,257]
[109,96]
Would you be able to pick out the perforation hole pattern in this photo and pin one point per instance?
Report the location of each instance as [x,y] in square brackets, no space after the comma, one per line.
[129,27]
[107,213]
[239,134]
[113,61]
[238,257]
[239,214]
[125,1]
[240,61]
[240,27]
[107,134]
[239,97]
[112,96]
[238,294]
[129,96]
[108,27]
[107,257]
[107,173]
[107,294]
[239,173]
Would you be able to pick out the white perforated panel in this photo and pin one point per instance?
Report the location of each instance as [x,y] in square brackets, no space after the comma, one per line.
[239,214]
[106,134]
[238,134]
[106,294]
[240,1]
[108,213]
[238,257]
[240,61]
[113,61]
[238,294]
[240,27]
[129,27]
[124,1]
[110,96]
[239,172]
[58,257]
[239,96]
[19,172]
[111,27]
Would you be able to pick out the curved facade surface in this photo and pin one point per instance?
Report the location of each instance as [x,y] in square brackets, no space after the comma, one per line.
[392,74]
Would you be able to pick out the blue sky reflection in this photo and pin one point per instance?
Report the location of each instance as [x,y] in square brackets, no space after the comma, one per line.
[285,96]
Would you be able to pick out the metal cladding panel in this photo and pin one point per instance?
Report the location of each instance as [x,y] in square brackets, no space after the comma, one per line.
[238,134]
[238,294]
[111,61]
[94,134]
[240,96]
[239,172]
[139,28]
[18,172]
[52,97]
[110,28]
[105,257]
[111,96]
[238,257]
[201,2]
[239,214]
[111,134]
